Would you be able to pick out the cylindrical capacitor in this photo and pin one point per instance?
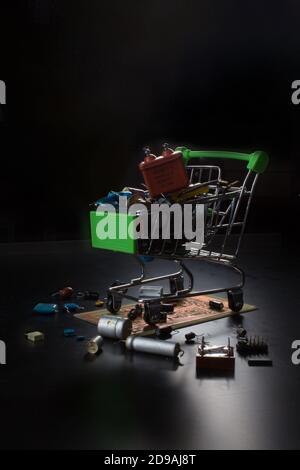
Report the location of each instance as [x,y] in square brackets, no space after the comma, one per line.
[153,346]
[111,326]
[94,345]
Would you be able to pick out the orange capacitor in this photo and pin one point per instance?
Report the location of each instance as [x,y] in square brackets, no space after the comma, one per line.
[164,174]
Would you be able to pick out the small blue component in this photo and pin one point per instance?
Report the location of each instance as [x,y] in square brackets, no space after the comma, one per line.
[72,307]
[45,309]
[113,198]
[69,332]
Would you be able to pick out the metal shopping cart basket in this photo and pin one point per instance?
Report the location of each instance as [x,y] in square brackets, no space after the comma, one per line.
[226,206]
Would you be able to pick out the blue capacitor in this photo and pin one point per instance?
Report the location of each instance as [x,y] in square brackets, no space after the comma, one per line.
[45,309]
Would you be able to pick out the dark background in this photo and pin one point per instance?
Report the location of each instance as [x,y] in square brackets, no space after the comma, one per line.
[90,83]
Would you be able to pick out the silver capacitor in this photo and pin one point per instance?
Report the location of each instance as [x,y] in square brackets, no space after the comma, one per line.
[153,346]
[111,326]
[94,345]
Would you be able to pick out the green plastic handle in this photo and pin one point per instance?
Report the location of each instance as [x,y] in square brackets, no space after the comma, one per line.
[257,161]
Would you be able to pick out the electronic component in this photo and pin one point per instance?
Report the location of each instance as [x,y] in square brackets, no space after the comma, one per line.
[35,336]
[163,332]
[94,345]
[260,362]
[216,305]
[241,332]
[80,338]
[68,332]
[64,293]
[111,326]
[135,312]
[88,295]
[215,357]
[45,309]
[153,346]
[72,308]
[254,345]
[189,337]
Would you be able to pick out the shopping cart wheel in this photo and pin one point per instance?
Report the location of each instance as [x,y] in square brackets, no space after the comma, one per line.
[235,299]
[176,284]
[114,300]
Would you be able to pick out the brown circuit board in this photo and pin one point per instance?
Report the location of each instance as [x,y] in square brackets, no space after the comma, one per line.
[188,311]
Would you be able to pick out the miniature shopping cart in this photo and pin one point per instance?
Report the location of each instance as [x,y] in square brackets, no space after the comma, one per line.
[226,206]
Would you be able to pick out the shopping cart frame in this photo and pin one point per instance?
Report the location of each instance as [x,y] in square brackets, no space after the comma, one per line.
[238,199]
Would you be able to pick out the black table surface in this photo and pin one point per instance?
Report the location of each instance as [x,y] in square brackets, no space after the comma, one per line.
[53,396]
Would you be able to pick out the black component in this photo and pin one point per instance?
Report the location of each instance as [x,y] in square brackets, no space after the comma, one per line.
[135,312]
[189,337]
[241,332]
[164,332]
[153,313]
[252,346]
[260,362]
[114,300]
[176,283]
[216,305]
[88,295]
[167,308]
[235,299]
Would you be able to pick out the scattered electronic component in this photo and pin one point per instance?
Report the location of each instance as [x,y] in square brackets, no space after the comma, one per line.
[216,305]
[254,345]
[260,362]
[80,338]
[45,309]
[94,345]
[35,336]
[72,308]
[88,295]
[215,357]
[241,332]
[163,332]
[111,326]
[156,312]
[68,332]
[153,346]
[135,312]
[64,293]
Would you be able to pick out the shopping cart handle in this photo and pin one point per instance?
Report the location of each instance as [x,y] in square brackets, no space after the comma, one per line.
[257,161]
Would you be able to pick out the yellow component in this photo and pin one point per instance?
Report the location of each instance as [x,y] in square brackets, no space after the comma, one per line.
[35,336]
[189,193]
[99,303]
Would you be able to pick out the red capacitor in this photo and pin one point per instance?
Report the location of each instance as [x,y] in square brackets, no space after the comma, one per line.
[164,174]
[65,293]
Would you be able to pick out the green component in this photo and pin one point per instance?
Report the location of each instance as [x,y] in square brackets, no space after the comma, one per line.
[119,231]
[257,161]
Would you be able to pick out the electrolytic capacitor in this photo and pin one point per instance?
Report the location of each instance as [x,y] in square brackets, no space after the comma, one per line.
[94,345]
[153,346]
[111,326]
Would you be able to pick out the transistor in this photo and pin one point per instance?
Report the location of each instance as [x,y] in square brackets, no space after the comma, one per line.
[216,305]
[163,332]
[190,337]
[135,312]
